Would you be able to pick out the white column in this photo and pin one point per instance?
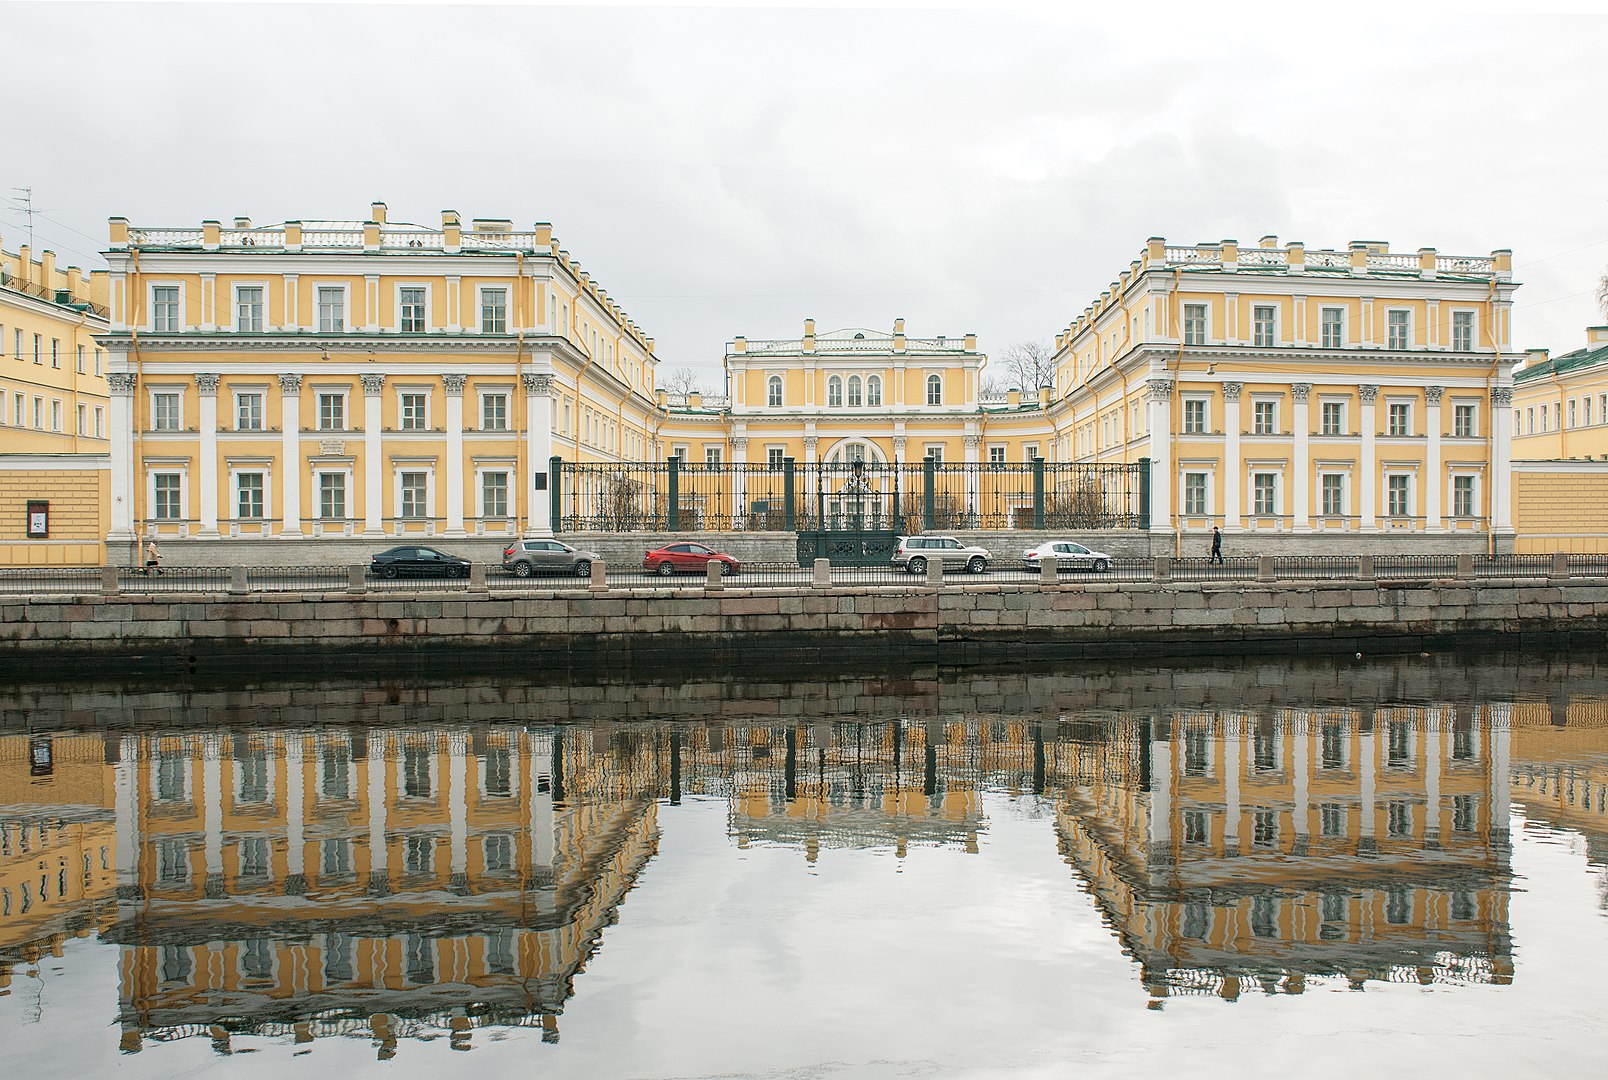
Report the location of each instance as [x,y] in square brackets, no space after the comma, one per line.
[542,840]
[1501,460]
[899,444]
[1231,783]
[1160,794]
[120,415]
[1161,507]
[379,765]
[809,444]
[207,465]
[1432,769]
[1367,838]
[458,805]
[373,471]
[1231,456]
[454,387]
[1301,483]
[212,811]
[1501,717]
[126,799]
[1368,469]
[1432,464]
[290,455]
[739,481]
[973,445]
[539,453]
[1301,759]
[295,817]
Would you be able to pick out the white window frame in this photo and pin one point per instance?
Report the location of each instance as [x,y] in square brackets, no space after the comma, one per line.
[344,393]
[179,322]
[429,408]
[1473,328]
[1389,312]
[1273,336]
[346,306]
[935,451]
[260,468]
[1205,403]
[996,453]
[182,471]
[428,469]
[1324,310]
[1344,405]
[1205,322]
[176,391]
[100,423]
[1391,405]
[1205,473]
[712,454]
[834,392]
[486,393]
[854,392]
[1344,476]
[234,306]
[873,391]
[1411,493]
[1257,472]
[775,391]
[428,305]
[1029,452]
[1451,494]
[775,453]
[506,470]
[480,308]
[1258,400]
[317,493]
[80,360]
[261,393]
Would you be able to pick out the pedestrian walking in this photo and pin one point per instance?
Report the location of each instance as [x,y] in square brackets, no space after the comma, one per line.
[1217,544]
[153,557]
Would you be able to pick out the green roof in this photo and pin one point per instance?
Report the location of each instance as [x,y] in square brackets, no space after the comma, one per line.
[1562,365]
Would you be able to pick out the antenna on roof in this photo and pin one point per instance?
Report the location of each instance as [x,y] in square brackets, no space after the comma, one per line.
[27,208]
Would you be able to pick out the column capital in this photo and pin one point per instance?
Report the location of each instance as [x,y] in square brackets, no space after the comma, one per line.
[973,441]
[1159,389]
[372,384]
[899,444]
[120,383]
[207,383]
[454,384]
[739,442]
[290,383]
[1432,394]
[810,442]
[1368,392]
[1231,391]
[1502,396]
[539,384]
[1300,392]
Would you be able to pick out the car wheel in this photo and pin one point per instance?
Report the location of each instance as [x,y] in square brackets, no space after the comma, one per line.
[583,568]
[522,569]
[1101,566]
[918,565]
[458,571]
[727,570]
[385,570]
[665,569]
[976,564]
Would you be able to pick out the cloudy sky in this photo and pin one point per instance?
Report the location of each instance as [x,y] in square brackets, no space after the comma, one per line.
[731,169]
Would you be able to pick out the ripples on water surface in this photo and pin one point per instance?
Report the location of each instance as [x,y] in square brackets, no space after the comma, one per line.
[1393,867]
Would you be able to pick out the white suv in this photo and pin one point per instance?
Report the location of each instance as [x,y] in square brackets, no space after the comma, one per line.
[912,553]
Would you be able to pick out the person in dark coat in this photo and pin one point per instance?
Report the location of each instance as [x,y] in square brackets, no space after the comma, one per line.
[1217,544]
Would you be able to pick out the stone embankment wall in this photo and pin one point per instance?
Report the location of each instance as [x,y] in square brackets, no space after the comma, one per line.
[711,629]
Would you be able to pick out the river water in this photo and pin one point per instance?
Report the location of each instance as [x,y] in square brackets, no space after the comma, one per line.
[1296,866]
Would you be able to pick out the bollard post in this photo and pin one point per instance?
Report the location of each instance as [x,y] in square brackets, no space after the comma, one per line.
[355,582]
[237,580]
[1465,567]
[1163,568]
[1365,568]
[789,512]
[477,577]
[823,574]
[600,577]
[110,585]
[1049,570]
[1560,564]
[1264,568]
[1038,493]
[673,483]
[935,570]
[713,581]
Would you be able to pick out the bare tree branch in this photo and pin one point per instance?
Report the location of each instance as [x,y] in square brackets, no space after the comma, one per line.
[683,380]
[1026,366]
[1602,294]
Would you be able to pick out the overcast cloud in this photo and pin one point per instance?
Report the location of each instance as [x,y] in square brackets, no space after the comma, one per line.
[732,170]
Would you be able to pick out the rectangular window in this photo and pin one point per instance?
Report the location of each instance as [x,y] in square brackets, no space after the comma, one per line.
[1265,490]
[1194,416]
[1463,819]
[417,853]
[1399,744]
[55,352]
[98,356]
[1197,752]
[414,485]
[1264,417]
[100,423]
[331,309]
[254,856]
[167,497]
[1333,323]
[332,495]
[1334,417]
[1396,496]
[1331,820]
[1573,419]
[16,341]
[1399,328]
[1464,906]
[165,308]
[1463,496]
[335,858]
[412,304]
[416,772]
[413,412]
[1194,324]
[172,862]
[499,772]
[83,419]
[166,411]
[494,311]
[774,456]
[1463,420]
[1334,494]
[711,455]
[80,359]
[1196,829]
[996,455]
[1195,493]
[1462,331]
[499,853]
[1264,916]
[248,411]
[936,452]
[1400,419]
[331,412]
[1333,745]
[1262,318]
[494,412]
[248,309]
[38,414]
[494,494]
[55,415]
[1264,828]
[248,498]
[1399,819]
[336,783]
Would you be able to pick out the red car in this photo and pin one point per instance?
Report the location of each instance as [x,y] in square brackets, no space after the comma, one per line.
[687,557]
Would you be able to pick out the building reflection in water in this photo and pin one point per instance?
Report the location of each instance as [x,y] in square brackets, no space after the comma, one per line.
[392,883]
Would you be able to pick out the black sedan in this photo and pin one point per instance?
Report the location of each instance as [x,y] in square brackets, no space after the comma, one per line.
[418,562]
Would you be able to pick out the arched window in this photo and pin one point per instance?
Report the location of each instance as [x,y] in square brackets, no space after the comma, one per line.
[834,393]
[873,391]
[935,390]
[854,391]
[773,391]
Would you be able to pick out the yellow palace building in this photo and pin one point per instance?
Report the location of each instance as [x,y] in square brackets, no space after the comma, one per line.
[1560,448]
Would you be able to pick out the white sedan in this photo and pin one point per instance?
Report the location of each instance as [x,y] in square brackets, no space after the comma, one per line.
[1068,555]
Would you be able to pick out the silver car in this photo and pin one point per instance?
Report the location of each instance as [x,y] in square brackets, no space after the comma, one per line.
[1069,554]
[523,558]
[912,553]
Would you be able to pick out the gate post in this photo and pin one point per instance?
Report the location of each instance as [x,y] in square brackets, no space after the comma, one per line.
[929,494]
[1038,493]
[1144,493]
[789,513]
[673,512]
[555,505]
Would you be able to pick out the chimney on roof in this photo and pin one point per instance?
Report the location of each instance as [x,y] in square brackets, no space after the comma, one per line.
[1596,337]
[1269,241]
[1535,357]
[377,213]
[242,223]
